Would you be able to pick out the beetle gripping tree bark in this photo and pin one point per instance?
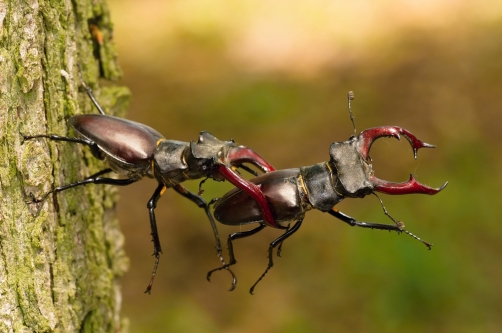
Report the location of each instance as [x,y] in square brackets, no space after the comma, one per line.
[135,150]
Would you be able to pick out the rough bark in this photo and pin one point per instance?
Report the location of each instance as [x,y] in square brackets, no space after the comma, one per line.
[59,270]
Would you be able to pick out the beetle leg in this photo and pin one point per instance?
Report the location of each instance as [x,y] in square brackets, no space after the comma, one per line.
[354,223]
[54,137]
[279,248]
[252,190]
[200,202]
[157,250]
[380,226]
[276,242]
[56,190]
[241,154]
[100,173]
[94,179]
[231,238]
[96,152]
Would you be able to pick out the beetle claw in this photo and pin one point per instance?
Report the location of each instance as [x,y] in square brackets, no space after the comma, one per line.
[366,139]
[241,154]
[409,187]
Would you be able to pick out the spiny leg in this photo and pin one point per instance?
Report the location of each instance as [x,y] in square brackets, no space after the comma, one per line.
[54,191]
[157,250]
[100,173]
[231,238]
[276,242]
[279,248]
[200,202]
[370,225]
[54,137]
[93,179]
[96,152]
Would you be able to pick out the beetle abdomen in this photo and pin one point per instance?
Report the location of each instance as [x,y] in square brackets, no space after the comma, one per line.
[282,193]
[121,139]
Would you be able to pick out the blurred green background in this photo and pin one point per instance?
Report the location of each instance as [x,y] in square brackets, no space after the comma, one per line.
[274,75]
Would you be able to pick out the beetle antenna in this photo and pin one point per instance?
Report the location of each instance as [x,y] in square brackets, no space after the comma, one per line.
[200,186]
[350,97]
[400,224]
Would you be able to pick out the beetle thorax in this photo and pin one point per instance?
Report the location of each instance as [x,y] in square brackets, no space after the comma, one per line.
[203,156]
[176,161]
[351,170]
[319,184]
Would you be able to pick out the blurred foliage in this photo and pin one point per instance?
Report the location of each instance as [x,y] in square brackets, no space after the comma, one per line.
[274,76]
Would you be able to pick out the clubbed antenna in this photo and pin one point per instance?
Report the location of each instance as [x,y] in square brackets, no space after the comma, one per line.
[350,97]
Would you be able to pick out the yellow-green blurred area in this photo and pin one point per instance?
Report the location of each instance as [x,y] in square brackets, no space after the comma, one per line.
[274,76]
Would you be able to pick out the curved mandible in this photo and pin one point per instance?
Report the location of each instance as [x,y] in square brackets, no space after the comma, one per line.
[241,154]
[254,191]
[364,142]
[367,137]
[410,187]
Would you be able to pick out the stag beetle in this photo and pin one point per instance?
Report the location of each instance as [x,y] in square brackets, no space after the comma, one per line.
[135,150]
[292,192]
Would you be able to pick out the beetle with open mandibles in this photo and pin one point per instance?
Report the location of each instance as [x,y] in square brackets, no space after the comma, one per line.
[135,150]
[291,193]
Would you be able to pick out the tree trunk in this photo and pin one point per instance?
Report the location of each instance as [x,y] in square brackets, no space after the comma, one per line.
[59,269]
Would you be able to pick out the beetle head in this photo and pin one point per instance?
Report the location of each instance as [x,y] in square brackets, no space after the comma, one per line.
[355,174]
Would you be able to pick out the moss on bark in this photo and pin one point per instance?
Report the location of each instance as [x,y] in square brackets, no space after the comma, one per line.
[59,270]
